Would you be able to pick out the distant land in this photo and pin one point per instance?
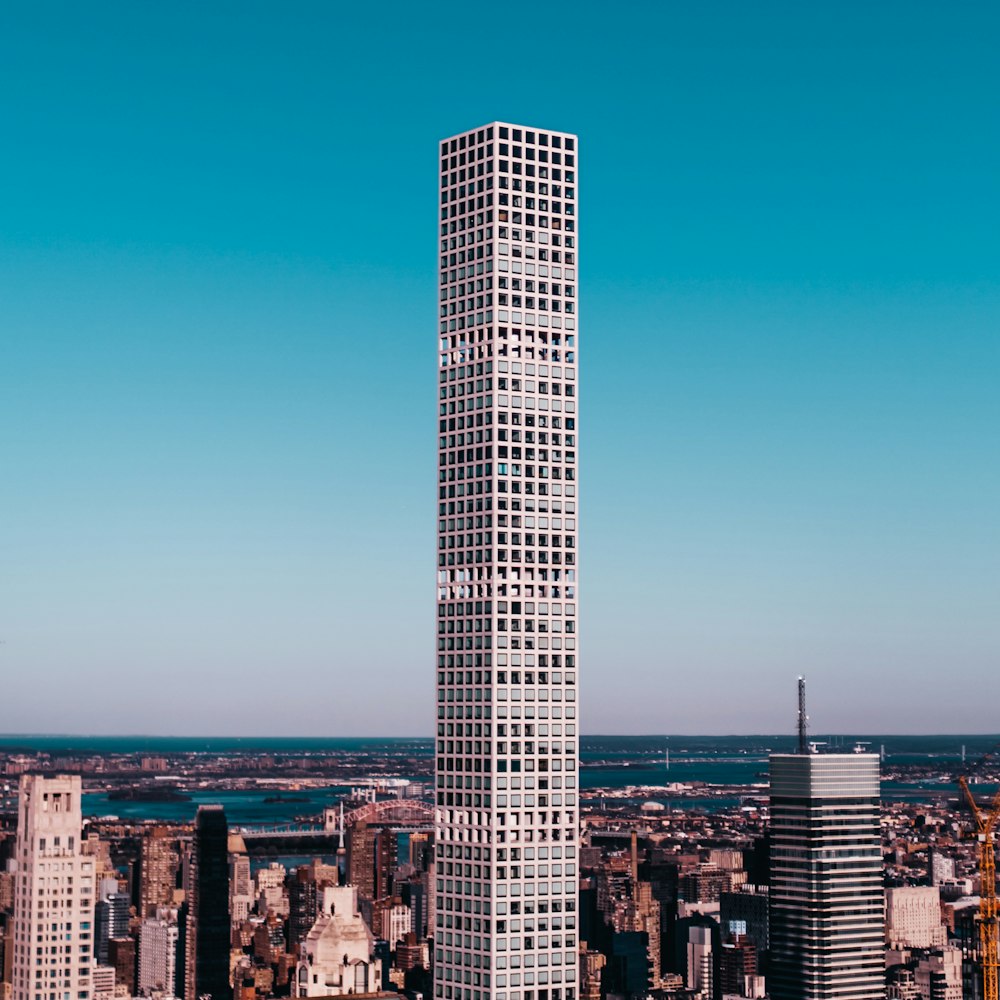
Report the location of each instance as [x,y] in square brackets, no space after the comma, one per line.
[946,744]
[688,772]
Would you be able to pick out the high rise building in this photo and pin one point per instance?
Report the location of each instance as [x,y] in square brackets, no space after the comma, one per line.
[302,906]
[703,958]
[270,885]
[123,958]
[241,897]
[54,895]
[111,917]
[737,963]
[372,855]
[207,923]
[157,955]
[826,899]
[744,914]
[158,865]
[913,917]
[506,728]
[940,867]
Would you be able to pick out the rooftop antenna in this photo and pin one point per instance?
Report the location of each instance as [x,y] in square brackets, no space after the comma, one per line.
[341,849]
[803,718]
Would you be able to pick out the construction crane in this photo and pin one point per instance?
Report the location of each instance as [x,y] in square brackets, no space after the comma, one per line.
[986,820]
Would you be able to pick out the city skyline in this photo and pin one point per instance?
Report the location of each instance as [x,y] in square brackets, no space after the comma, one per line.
[215,256]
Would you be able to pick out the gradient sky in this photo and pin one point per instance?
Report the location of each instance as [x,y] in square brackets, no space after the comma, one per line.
[217,358]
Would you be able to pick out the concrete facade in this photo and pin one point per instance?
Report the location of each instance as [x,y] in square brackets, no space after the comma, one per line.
[54,894]
[506,726]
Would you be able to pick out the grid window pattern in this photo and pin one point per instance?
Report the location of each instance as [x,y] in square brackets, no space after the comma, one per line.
[53,938]
[506,727]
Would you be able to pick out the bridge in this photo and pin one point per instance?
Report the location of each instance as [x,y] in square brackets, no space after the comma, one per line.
[402,812]
[402,815]
[284,832]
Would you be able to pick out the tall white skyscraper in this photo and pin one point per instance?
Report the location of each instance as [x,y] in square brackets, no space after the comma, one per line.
[506,727]
[54,893]
[826,897]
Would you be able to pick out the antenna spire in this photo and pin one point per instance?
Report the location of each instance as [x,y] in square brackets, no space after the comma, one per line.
[803,718]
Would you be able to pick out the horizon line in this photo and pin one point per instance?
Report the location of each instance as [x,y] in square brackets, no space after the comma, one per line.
[430,737]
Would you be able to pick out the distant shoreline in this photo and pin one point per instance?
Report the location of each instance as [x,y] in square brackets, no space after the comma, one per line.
[253,740]
[393,747]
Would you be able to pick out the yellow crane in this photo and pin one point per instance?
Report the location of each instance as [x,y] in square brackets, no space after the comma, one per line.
[986,819]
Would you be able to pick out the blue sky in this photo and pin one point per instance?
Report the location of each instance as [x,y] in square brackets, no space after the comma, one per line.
[217,368]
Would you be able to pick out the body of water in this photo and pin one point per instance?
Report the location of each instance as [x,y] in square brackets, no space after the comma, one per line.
[243,808]
[612,762]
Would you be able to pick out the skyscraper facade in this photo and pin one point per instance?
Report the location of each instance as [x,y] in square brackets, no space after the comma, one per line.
[111,917]
[54,893]
[826,896]
[158,865]
[207,918]
[506,726]
[157,955]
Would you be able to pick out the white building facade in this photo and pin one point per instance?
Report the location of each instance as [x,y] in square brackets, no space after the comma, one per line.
[507,726]
[700,960]
[337,957]
[913,917]
[271,891]
[826,899]
[241,897]
[397,922]
[54,893]
[158,956]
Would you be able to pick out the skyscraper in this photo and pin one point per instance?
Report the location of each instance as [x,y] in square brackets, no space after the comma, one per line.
[506,727]
[302,906]
[826,933]
[241,897]
[158,864]
[54,896]
[207,919]
[372,855]
[157,955]
[122,956]
[111,917]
